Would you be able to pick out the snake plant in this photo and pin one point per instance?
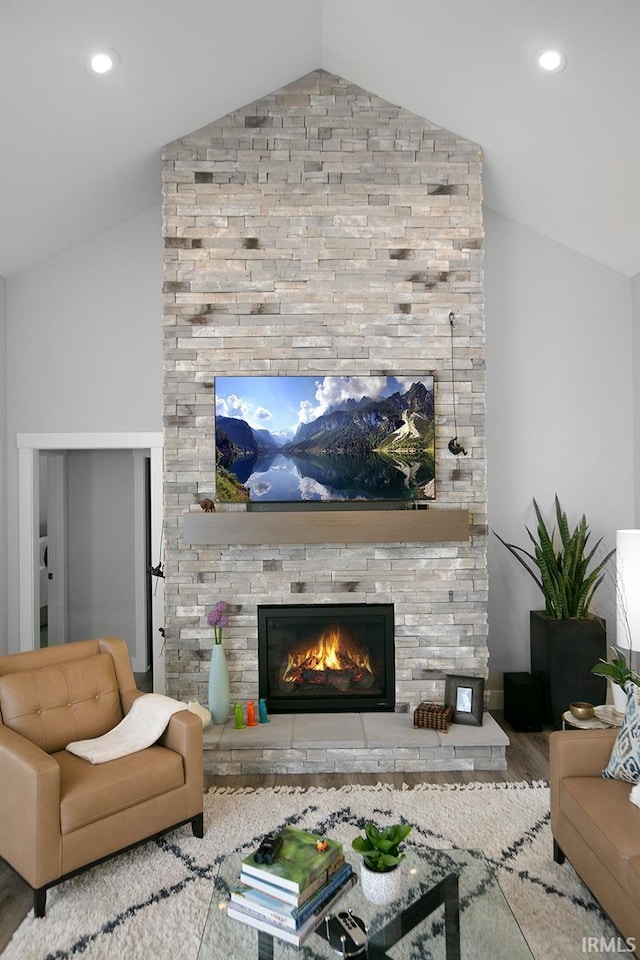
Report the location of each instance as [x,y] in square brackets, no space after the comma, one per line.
[563,575]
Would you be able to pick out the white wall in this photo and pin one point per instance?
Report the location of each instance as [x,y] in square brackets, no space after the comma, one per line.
[559,411]
[100,545]
[84,336]
[635,307]
[3,468]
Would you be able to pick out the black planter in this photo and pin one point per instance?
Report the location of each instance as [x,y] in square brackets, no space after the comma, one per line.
[562,655]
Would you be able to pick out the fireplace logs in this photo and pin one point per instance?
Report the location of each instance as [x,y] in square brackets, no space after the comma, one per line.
[316,658]
[333,660]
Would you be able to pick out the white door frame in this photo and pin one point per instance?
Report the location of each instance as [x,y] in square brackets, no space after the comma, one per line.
[29,447]
[57,546]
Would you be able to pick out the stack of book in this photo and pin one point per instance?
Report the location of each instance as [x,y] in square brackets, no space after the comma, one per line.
[290,897]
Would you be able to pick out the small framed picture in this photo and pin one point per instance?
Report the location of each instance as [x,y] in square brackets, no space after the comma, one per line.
[465,695]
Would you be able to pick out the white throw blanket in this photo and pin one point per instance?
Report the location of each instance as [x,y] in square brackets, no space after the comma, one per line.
[145,722]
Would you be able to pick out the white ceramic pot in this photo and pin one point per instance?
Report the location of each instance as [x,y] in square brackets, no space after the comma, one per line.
[619,698]
[380,887]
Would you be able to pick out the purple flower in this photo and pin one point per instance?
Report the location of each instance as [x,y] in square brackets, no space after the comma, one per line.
[218,619]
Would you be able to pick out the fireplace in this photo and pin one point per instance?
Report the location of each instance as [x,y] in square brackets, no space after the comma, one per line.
[316,658]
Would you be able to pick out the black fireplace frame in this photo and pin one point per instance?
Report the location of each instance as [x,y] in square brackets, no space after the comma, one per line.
[360,703]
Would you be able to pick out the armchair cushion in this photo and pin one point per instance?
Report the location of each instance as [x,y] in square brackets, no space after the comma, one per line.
[89,793]
[599,811]
[52,705]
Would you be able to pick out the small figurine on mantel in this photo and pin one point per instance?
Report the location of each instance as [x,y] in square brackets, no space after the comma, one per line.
[251,714]
[207,505]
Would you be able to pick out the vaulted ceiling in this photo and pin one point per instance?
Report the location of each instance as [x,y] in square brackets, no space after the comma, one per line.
[80,154]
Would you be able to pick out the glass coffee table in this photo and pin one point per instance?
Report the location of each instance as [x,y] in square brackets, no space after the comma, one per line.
[451,908]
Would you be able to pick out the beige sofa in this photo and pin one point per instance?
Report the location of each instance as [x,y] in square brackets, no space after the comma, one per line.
[595,825]
[59,813]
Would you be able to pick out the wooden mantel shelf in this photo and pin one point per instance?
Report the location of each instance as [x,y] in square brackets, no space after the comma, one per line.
[358,526]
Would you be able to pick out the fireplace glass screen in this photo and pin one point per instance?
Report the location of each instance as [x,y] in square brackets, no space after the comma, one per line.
[318,658]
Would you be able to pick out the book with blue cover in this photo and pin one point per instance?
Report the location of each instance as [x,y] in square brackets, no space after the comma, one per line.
[238,912]
[279,912]
[303,858]
[290,896]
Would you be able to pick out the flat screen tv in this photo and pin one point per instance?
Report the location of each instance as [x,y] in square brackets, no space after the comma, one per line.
[308,438]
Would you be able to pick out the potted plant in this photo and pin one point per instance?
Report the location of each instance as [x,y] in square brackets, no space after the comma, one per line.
[565,638]
[620,674]
[381,854]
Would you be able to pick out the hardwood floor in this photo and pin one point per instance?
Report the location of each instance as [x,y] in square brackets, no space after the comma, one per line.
[527,760]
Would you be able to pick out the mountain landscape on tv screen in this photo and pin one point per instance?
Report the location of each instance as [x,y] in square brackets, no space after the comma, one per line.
[376,446]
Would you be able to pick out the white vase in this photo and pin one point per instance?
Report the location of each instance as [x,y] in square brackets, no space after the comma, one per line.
[380,887]
[619,698]
[219,698]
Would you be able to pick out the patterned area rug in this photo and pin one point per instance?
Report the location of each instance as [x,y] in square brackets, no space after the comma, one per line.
[153,902]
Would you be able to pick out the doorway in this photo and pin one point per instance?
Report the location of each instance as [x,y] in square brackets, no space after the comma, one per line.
[83,532]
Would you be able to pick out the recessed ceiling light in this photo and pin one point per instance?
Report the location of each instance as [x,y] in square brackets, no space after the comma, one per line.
[102,63]
[552,61]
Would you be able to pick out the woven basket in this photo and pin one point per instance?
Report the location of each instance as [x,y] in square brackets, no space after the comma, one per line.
[433,716]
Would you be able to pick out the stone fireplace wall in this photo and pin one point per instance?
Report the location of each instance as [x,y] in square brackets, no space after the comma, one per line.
[322,230]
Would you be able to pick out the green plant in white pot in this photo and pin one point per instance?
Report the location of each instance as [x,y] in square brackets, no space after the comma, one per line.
[565,638]
[620,674]
[381,854]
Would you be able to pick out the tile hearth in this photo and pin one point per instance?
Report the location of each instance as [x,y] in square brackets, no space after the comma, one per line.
[351,743]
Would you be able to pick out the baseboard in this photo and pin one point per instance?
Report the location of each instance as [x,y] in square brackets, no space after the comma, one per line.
[494,692]
[495,699]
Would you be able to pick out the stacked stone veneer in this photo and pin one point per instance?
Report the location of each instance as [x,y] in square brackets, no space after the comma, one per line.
[324,231]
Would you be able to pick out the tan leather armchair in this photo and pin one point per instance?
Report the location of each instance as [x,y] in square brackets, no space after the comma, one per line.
[595,825]
[60,814]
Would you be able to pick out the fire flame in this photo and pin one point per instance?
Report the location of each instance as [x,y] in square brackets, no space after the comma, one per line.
[330,651]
